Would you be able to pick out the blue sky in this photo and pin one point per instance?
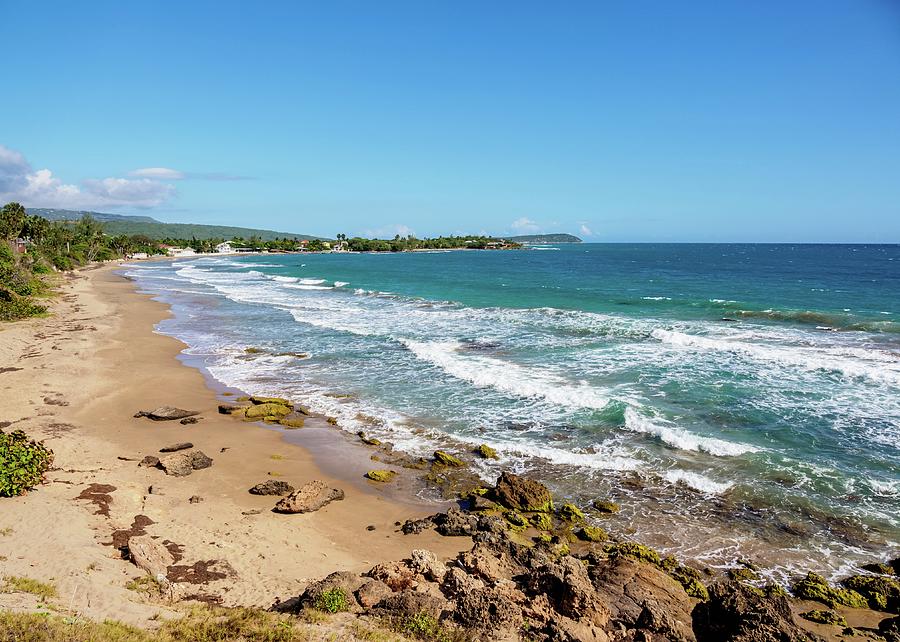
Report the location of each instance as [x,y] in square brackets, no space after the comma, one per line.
[631,121]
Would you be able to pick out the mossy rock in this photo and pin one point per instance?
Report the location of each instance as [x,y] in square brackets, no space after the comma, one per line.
[815,587]
[243,398]
[542,521]
[882,593]
[774,590]
[276,400]
[291,422]
[743,574]
[381,475]
[571,513]
[486,452]
[543,538]
[695,588]
[477,491]
[878,567]
[605,506]
[269,409]
[332,421]
[821,616]
[254,351]
[370,441]
[447,459]
[592,534]
[516,520]
[634,551]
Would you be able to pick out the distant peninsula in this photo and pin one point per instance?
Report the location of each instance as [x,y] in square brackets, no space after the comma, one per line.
[533,239]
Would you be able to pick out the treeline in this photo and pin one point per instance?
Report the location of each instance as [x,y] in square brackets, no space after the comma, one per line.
[407,243]
[31,248]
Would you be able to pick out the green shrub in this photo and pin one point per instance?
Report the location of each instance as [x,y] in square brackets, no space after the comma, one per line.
[333,600]
[23,463]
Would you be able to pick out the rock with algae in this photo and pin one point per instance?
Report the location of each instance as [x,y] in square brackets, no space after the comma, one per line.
[446,459]
[486,452]
[592,534]
[815,587]
[381,475]
[571,513]
[821,616]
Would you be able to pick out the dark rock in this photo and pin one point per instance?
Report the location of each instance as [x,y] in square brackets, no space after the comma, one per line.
[409,603]
[200,461]
[195,499]
[166,413]
[308,498]
[272,487]
[178,464]
[416,526]
[455,522]
[882,593]
[889,629]
[738,613]
[252,511]
[176,447]
[149,462]
[190,420]
[523,494]
[370,527]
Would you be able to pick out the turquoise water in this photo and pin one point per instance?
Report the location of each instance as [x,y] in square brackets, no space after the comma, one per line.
[738,400]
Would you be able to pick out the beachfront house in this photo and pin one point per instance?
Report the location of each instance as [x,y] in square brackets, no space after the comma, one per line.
[225,248]
[180,251]
[138,255]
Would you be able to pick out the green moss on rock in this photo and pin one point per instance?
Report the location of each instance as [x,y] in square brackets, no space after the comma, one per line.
[381,475]
[821,616]
[447,459]
[291,422]
[371,441]
[815,587]
[882,593]
[571,513]
[634,551]
[486,452]
[276,400]
[269,409]
[605,506]
[542,521]
[516,519]
[743,574]
[592,534]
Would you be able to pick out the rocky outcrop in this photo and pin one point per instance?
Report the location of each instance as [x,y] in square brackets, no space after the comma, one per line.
[272,487]
[270,411]
[308,498]
[166,413]
[520,493]
[183,463]
[736,612]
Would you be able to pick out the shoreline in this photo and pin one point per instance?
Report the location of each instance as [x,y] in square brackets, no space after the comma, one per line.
[80,376]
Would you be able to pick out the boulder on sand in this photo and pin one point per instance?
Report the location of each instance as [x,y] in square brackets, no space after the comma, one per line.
[166,413]
[183,463]
[263,410]
[520,493]
[272,487]
[308,498]
[150,555]
[176,447]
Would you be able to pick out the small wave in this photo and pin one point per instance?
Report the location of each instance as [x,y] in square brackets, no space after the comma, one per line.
[696,481]
[810,317]
[340,284]
[284,279]
[312,281]
[656,298]
[504,376]
[307,286]
[684,440]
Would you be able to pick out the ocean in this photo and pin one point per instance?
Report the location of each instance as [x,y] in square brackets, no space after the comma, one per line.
[738,401]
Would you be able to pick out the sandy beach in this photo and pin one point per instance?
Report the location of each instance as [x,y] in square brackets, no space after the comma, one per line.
[76,379]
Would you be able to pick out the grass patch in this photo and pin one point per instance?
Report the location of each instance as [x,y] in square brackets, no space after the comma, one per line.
[423,626]
[15,584]
[333,600]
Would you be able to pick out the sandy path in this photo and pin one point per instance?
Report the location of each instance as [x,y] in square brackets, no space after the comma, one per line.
[76,379]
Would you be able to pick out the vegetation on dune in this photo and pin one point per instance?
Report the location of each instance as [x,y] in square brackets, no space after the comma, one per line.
[15,584]
[23,463]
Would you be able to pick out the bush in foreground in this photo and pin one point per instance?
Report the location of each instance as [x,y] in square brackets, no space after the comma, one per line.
[23,462]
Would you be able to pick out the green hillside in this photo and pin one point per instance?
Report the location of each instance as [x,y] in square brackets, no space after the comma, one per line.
[117,224]
[544,238]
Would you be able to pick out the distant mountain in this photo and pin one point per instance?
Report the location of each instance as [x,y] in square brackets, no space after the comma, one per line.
[121,224]
[73,215]
[537,239]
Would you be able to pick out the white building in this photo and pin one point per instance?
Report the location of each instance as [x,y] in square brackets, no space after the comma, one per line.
[139,255]
[181,251]
[224,248]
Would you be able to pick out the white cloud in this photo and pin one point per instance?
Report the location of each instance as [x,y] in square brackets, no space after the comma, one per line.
[525,225]
[159,173]
[19,182]
[585,230]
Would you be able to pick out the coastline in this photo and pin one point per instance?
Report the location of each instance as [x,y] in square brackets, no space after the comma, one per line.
[79,377]
[83,373]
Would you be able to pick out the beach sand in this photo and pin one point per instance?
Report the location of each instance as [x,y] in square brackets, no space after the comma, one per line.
[76,379]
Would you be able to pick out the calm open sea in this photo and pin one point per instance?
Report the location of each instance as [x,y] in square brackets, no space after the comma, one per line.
[738,400]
